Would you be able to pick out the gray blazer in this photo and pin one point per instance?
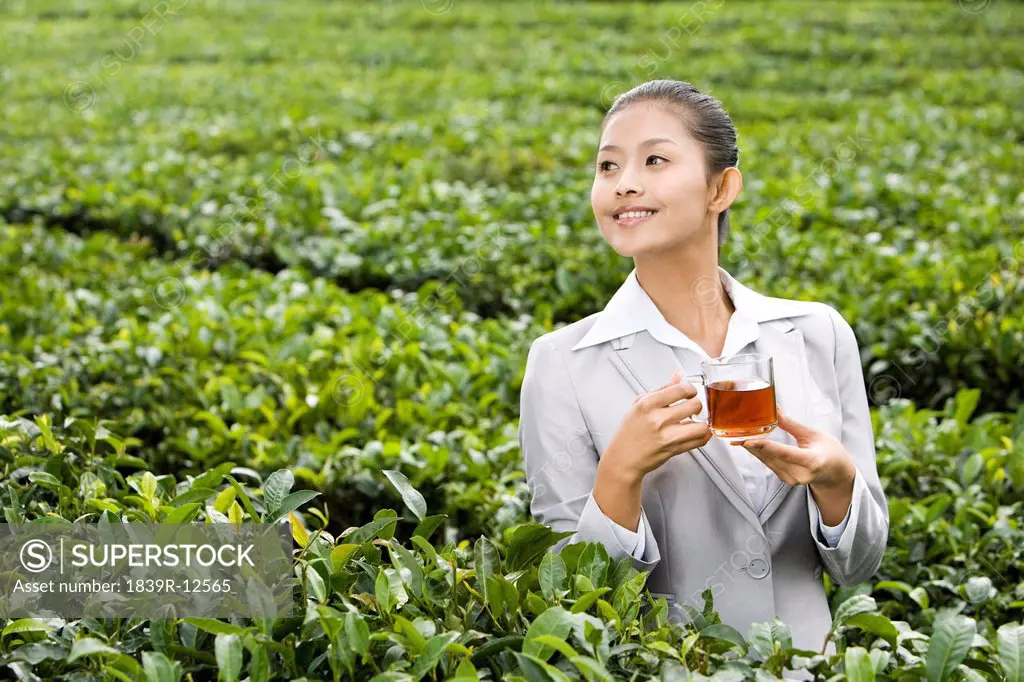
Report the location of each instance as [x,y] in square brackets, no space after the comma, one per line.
[700,528]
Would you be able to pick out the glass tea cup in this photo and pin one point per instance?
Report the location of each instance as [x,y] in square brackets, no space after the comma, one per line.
[737,395]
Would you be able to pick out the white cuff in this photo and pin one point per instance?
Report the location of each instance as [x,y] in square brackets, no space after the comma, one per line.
[833,534]
[631,540]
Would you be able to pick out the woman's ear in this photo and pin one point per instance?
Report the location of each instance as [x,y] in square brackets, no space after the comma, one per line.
[727,188]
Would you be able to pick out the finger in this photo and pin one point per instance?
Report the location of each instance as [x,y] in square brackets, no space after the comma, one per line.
[801,432]
[765,449]
[777,466]
[689,408]
[663,397]
[676,375]
[688,435]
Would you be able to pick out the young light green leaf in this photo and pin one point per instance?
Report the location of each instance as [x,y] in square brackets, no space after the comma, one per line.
[25,625]
[228,649]
[412,497]
[382,590]
[216,627]
[159,668]
[89,646]
[587,600]
[858,665]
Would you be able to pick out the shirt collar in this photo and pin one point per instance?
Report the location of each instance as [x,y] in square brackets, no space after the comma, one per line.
[631,310]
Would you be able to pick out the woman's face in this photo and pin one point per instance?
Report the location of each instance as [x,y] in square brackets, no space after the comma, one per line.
[647,159]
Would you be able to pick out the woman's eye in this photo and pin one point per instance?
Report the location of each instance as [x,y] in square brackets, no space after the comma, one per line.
[603,165]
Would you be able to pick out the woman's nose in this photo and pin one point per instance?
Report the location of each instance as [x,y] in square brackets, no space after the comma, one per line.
[627,183]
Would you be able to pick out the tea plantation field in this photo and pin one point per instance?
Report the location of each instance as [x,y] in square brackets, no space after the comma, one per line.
[264,260]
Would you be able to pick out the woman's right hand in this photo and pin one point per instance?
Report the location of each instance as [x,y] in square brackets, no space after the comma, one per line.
[652,432]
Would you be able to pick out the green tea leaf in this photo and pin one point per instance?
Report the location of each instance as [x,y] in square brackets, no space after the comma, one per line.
[537,670]
[876,624]
[858,665]
[159,668]
[556,622]
[276,488]
[432,654]
[726,633]
[551,575]
[594,563]
[291,503]
[948,646]
[488,564]
[385,599]
[228,649]
[860,603]
[358,633]
[370,530]
[25,625]
[427,526]
[412,497]
[528,543]
[216,627]
[1010,649]
[89,646]
[587,600]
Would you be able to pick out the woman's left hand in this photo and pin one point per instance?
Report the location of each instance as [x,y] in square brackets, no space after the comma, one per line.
[818,459]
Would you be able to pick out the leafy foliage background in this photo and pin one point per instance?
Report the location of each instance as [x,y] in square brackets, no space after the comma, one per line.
[254,252]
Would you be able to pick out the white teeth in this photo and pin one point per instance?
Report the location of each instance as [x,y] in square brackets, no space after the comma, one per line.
[635,214]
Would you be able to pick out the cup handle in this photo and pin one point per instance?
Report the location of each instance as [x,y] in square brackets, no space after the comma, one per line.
[698,383]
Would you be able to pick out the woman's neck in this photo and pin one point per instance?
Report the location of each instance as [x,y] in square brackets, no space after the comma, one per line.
[690,295]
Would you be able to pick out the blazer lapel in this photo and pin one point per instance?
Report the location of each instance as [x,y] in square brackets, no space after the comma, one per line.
[785,343]
[647,364]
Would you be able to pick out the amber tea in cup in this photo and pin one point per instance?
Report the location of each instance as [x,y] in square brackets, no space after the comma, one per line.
[739,395]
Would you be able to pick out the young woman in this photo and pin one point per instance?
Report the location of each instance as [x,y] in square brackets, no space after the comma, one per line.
[611,448]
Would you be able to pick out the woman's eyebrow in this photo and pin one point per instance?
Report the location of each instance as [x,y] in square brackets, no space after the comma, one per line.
[645,143]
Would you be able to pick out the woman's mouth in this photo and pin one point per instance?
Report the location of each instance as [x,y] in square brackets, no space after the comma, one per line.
[631,218]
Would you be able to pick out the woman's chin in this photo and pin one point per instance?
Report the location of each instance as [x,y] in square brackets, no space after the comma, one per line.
[631,246]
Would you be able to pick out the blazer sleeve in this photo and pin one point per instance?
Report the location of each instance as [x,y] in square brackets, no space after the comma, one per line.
[859,551]
[561,462]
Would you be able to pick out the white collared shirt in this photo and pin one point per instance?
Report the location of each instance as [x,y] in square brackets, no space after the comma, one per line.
[635,311]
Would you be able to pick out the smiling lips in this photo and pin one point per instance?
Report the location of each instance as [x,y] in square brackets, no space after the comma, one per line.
[633,217]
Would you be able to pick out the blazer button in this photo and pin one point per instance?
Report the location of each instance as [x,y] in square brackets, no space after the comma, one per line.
[757,568]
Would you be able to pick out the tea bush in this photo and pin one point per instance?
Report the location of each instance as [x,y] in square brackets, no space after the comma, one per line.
[888,156]
[384,601]
[295,243]
[271,370]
